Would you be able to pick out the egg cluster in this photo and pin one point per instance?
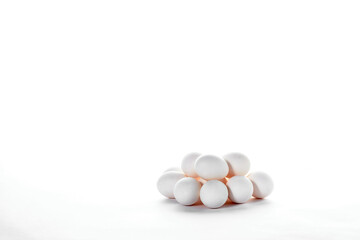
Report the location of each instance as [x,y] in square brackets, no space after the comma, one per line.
[212,180]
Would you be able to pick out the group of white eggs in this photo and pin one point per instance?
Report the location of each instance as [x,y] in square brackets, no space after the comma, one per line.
[213,180]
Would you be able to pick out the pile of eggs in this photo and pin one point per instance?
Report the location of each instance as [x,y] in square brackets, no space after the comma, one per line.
[212,180]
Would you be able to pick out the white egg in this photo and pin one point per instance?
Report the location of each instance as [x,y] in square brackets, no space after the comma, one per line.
[187,191]
[213,194]
[167,181]
[188,164]
[239,164]
[262,183]
[173,169]
[210,167]
[240,189]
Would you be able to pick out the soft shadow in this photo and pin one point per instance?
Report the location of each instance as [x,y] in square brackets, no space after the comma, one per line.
[253,203]
[169,201]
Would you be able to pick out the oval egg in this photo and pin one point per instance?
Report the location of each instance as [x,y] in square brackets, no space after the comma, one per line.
[187,191]
[213,194]
[262,183]
[240,189]
[211,167]
[239,164]
[188,164]
[167,181]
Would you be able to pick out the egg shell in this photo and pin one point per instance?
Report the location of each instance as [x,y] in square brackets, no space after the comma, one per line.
[239,164]
[262,183]
[213,194]
[188,164]
[187,191]
[211,167]
[240,189]
[167,181]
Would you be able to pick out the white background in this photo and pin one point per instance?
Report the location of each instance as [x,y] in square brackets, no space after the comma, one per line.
[98,98]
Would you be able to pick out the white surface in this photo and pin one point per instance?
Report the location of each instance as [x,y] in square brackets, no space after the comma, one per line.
[98,98]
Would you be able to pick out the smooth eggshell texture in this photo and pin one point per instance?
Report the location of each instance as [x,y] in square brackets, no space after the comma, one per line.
[262,183]
[187,191]
[240,189]
[176,169]
[167,181]
[188,164]
[211,167]
[238,163]
[213,194]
